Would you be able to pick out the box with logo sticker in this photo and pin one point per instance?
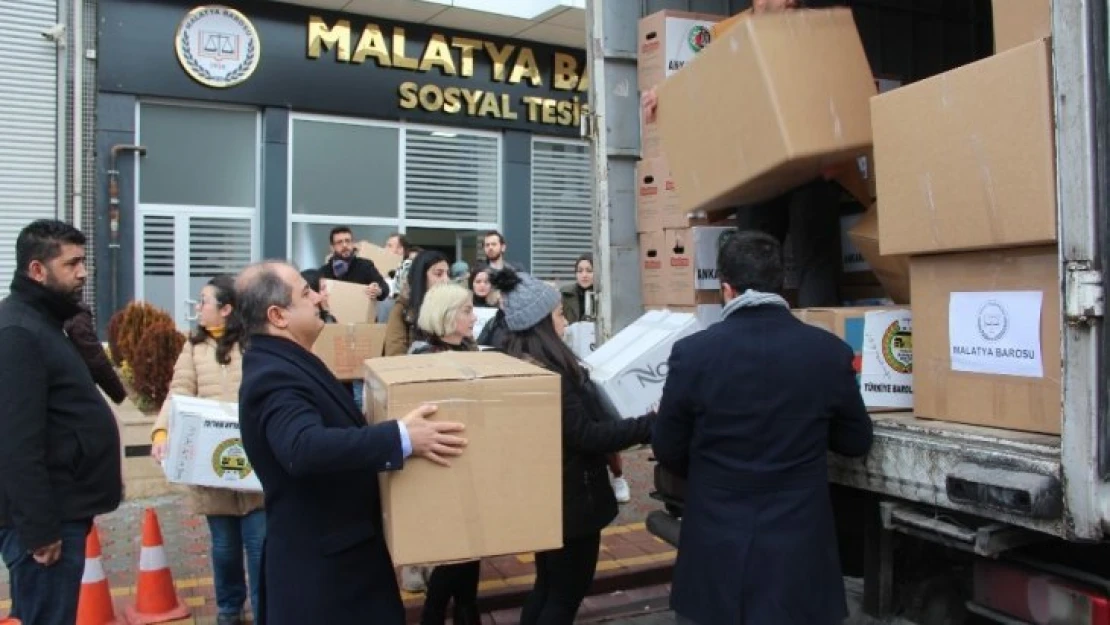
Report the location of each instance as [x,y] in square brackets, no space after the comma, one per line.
[205,448]
[882,340]
[667,40]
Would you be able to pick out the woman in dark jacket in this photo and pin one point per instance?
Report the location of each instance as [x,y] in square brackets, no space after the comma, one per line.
[533,313]
[447,322]
[480,285]
[428,269]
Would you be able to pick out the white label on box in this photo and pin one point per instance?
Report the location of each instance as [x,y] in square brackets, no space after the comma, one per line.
[707,240]
[851,260]
[205,448]
[685,38]
[996,333]
[886,374]
[581,338]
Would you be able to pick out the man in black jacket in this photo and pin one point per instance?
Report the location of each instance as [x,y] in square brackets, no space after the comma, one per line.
[59,444]
[346,266]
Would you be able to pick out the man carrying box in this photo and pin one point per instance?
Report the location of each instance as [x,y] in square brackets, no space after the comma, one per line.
[325,558]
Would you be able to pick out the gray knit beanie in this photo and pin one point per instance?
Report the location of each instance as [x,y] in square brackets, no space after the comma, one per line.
[525,300]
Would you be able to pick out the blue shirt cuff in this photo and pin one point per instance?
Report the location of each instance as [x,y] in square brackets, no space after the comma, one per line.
[406,442]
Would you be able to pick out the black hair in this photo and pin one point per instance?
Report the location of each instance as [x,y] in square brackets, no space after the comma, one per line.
[224,286]
[418,282]
[339,230]
[540,343]
[406,247]
[494,233]
[42,240]
[750,259]
[312,277]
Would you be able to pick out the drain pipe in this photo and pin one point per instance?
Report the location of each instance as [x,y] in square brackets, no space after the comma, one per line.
[114,212]
[78,138]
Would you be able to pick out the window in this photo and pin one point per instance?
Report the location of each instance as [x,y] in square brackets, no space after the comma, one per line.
[311,245]
[452,177]
[344,169]
[562,206]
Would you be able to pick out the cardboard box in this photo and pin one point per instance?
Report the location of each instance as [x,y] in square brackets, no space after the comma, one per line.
[1018,22]
[348,302]
[789,97]
[630,368]
[656,198]
[666,41]
[999,330]
[652,274]
[980,172]
[889,332]
[383,259]
[691,264]
[345,346]
[706,314]
[716,31]
[504,494]
[205,448]
[893,272]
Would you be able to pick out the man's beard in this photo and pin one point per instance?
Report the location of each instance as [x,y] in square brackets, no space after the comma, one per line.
[55,286]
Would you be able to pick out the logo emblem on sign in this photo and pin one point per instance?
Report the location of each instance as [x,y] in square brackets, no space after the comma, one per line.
[898,348]
[229,460]
[698,38]
[993,321]
[217,46]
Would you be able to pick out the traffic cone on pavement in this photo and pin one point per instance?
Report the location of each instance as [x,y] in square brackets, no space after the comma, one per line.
[95,605]
[156,600]
[10,621]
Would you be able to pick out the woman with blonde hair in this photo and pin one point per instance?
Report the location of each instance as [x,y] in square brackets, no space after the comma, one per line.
[447,323]
[210,367]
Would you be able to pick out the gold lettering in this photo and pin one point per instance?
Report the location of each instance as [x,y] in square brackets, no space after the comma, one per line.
[548,111]
[499,58]
[408,95]
[507,111]
[489,106]
[533,103]
[431,98]
[451,100]
[321,38]
[438,53]
[472,98]
[579,109]
[584,79]
[566,112]
[372,43]
[399,58]
[467,46]
[526,67]
[565,74]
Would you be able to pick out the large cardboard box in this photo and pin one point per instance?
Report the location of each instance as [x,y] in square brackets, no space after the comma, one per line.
[666,41]
[656,198]
[205,448]
[789,97]
[504,494]
[652,274]
[1018,22]
[988,338]
[348,302]
[383,259]
[883,349]
[893,272]
[692,263]
[965,159]
[345,346]
[630,368]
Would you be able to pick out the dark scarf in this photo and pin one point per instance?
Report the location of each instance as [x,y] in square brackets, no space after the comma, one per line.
[59,306]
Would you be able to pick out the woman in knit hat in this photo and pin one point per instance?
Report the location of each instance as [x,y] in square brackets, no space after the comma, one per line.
[533,313]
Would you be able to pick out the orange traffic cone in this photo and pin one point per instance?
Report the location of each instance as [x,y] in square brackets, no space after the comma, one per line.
[10,621]
[156,600]
[95,605]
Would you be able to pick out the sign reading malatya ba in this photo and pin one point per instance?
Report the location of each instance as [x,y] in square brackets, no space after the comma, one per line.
[332,63]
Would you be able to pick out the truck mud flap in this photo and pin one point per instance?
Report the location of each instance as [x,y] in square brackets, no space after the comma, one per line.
[664,526]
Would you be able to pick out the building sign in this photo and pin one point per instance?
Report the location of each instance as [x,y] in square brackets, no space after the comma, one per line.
[331,63]
[445,55]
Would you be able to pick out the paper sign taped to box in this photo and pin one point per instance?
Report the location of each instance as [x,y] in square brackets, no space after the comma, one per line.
[996,333]
[482,317]
[205,448]
[886,373]
[582,338]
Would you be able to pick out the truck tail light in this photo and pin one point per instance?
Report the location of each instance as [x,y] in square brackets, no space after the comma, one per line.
[1031,596]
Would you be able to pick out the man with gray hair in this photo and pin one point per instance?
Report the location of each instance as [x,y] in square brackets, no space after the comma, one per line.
[325,559]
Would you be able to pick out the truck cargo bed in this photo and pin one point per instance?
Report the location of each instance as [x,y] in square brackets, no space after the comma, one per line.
[926,461]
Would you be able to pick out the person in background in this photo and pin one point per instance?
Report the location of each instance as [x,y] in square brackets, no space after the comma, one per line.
[750,409]
[210,367]
[574,309]
[535,325]
[447,320]
[60,455]
[460,272]
[346,266]
[397,244]
[82,332]
[427,270]
[494,247]
[319,462]
[484,295]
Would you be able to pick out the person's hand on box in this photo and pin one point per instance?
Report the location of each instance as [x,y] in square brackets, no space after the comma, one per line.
[373,290]
[649,104]
[434,440]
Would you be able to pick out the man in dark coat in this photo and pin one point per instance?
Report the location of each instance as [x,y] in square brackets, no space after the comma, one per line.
[345,265]
[59,443]
[325,559]
[749,411]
